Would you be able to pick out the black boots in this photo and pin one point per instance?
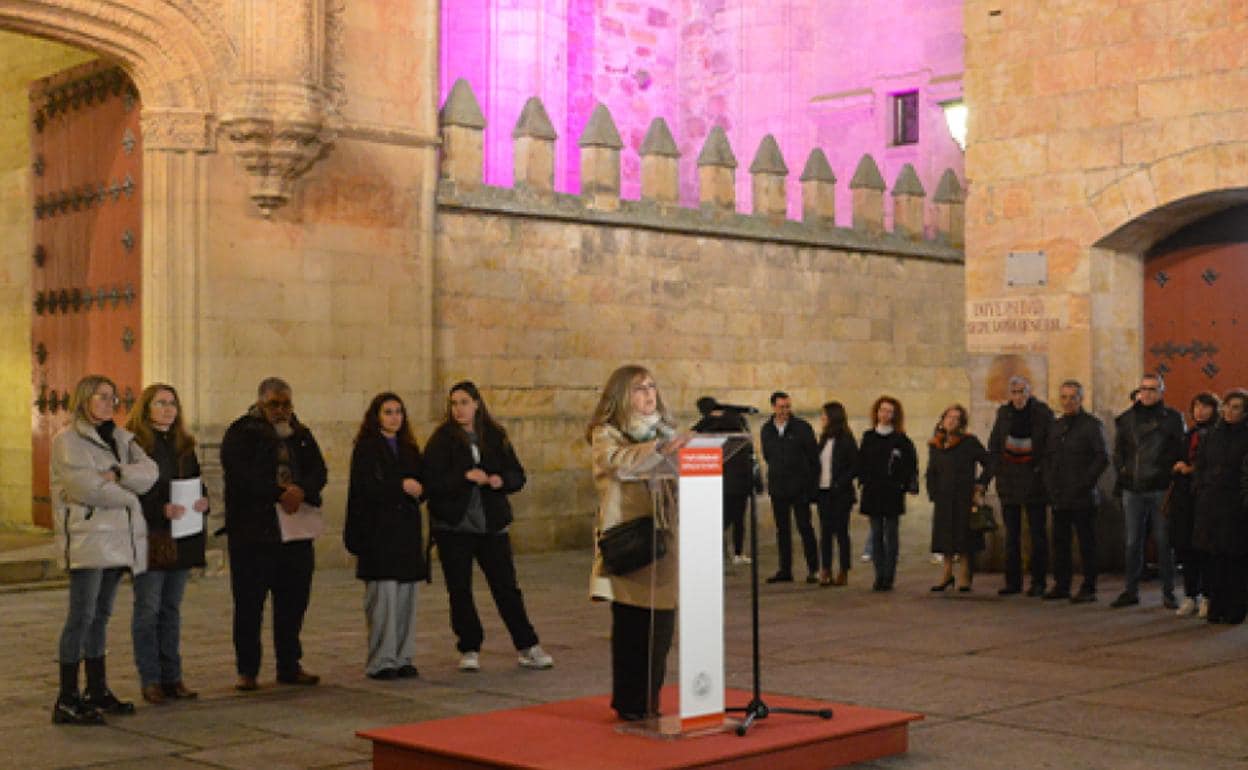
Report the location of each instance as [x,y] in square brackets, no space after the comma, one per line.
[98,694]
[70,709]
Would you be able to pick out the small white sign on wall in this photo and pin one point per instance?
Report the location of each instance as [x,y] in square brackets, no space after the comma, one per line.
[1026,268]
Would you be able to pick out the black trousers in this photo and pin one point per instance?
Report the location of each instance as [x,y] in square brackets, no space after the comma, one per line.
[734,516]
[257,570]
[1036,525]
[1228,588]
[787,510]
[1082,522]
[834,523]
[457,550]
[640,641]
[1193,563]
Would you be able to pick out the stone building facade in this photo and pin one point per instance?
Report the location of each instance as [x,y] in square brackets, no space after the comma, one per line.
[309,211]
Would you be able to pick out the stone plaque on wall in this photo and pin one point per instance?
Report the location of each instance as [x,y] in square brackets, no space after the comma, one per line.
[1026,268]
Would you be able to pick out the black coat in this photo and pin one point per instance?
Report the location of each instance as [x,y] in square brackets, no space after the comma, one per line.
[792,459]
[1221,524]
[951,480]
[844,468]
[1182,510]
[1148,444]
[448,456]
[1074,459]
[383,527]
[738,469]
[163,452]
[249,463]
[888,467]
[1020,483]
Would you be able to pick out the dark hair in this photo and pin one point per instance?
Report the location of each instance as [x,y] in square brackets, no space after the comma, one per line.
[1135,394]
[1236,393]
[899,416]
[779,394]
[706,405]
[370,426]
[963,420]
[140,422]
[1206,398]
[838,422]
[483,424]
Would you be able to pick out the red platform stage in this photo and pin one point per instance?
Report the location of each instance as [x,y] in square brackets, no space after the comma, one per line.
[582,735]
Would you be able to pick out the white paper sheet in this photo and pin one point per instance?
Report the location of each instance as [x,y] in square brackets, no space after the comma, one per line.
[304,524]
[185,492]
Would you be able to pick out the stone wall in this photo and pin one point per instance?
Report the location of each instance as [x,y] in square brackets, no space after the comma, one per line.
[22,59]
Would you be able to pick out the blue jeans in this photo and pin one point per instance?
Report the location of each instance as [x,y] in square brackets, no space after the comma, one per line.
[1140,508]
[156,625]
[91,594]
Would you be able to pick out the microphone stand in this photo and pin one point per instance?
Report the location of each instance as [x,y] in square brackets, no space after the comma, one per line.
[757,708]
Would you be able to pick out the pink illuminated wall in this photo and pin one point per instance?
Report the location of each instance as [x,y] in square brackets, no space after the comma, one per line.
[812,72]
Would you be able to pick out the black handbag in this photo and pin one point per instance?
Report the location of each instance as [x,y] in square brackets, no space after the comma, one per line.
[632,545]
[983,518]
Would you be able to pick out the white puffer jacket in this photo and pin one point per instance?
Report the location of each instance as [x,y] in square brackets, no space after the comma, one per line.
[99,523]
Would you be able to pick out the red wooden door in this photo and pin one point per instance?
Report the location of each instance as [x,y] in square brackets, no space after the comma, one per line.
[1192,301]
[86,164]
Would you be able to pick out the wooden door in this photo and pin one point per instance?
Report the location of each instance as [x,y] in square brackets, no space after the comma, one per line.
[1192,306]
[86,164]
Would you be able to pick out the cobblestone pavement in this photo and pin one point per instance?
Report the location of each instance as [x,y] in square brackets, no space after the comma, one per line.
[1004,683]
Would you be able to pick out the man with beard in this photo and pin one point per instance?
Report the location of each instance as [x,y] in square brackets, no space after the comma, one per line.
[272,467]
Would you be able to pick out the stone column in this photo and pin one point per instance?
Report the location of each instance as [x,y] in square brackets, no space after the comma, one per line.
[534,148]
[463,136]
[908,198]
[818,190]
[867,190]
[950,210]
[768,173]
[660,164]
[717,178]
[600,161]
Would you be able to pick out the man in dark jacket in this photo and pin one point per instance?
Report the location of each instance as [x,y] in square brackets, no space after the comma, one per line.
[738,469]
[792,472]
[1074,459]
[1148,444]
[273,467]
[1016,446]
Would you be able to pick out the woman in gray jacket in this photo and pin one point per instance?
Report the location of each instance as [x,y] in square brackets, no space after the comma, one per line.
[98,471]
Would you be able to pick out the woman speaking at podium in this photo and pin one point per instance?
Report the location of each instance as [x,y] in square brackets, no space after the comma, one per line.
[629,426]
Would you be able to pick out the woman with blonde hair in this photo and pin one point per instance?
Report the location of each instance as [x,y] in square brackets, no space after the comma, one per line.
[156,422]
[953,486]
[630,425]
[98,471]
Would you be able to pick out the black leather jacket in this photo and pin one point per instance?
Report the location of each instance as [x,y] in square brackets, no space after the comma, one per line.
[1149,442]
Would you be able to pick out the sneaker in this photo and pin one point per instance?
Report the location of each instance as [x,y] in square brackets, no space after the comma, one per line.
[1204,607]
[470,661]
[1188,607]
[866,557]
[536,657]
[1124,600]
[740,559]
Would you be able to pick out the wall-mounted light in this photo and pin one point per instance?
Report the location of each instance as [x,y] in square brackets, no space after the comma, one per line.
[955,120]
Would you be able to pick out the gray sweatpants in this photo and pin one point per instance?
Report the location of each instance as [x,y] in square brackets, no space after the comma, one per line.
[390,607]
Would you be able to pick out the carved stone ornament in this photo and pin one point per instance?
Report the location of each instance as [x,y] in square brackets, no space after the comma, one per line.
[275,151]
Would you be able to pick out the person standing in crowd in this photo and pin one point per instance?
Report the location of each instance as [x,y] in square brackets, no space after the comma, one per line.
[98,471]
[838,467]
[738,469]
[1019,436]
[1221,526]
[383,532]
[629,425]
[470,469]
[271,462]
[957,474]
[1149,442]
[156,625]
[888,468]
[792,469]
[1074,459]
[1182,510]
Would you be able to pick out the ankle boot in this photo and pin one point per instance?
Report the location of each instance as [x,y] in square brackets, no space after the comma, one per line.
[98,694]
[69,708]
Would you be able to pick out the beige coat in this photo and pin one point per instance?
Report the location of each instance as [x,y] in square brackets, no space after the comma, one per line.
[652,586]
[99,523]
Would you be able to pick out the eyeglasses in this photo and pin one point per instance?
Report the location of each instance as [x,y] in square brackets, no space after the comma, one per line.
[107,398]
[277,404]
